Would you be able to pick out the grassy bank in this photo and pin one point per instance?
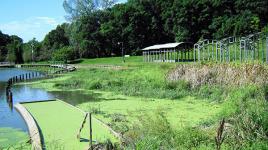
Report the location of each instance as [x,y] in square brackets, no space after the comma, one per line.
[153,111]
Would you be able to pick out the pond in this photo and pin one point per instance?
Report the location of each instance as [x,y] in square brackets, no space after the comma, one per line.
[12,127]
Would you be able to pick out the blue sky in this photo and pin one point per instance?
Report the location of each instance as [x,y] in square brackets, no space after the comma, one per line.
[31,18]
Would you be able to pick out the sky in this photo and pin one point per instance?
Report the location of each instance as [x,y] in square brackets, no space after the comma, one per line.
[31,18]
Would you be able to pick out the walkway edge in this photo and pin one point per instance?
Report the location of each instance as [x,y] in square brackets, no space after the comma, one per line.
[32,127]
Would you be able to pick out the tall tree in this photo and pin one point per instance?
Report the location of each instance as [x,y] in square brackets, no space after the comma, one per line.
[15,50]
[54,40]
[4,40]
[78,8]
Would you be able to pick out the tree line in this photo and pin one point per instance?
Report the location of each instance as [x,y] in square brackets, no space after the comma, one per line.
[95,28]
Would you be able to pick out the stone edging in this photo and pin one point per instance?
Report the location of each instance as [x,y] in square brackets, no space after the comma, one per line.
[32,127]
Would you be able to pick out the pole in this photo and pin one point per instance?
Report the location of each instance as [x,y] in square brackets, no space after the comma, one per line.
[90,131]
[32,52]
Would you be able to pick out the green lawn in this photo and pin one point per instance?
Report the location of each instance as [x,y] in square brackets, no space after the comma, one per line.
[60,123]
[112,60]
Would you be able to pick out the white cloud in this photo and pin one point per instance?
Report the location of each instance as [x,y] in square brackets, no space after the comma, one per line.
[48,20]
[32,27]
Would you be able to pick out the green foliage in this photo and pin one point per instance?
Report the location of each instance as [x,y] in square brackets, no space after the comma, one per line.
[4,40]
[155,132]
[247,112]
[31,51]
[15,50]
[64,54]
[54,40]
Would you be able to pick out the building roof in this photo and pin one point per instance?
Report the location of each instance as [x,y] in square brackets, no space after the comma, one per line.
[163,46]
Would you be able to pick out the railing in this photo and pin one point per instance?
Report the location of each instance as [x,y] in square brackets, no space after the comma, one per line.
[7,63]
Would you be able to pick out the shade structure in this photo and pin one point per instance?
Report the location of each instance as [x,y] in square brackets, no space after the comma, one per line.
[169,52]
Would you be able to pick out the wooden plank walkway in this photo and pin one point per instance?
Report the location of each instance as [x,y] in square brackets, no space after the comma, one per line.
[60,121]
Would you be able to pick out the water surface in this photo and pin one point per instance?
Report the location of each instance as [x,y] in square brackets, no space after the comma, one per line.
[10,117]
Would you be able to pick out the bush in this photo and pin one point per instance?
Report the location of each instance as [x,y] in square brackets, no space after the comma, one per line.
[64,54]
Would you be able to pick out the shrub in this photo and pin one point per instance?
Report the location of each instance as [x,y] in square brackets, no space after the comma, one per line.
[64,54]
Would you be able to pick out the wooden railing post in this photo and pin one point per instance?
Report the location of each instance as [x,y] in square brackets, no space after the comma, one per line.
[90,131]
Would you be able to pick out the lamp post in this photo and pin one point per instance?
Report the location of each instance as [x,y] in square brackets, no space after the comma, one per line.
[122,51]
[32,45]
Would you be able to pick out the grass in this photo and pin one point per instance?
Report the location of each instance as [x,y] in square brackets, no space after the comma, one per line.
[112,60]
[62,122]
[155,112]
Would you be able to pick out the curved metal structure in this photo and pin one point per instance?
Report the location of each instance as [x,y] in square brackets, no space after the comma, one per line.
[205,50]
[253,47]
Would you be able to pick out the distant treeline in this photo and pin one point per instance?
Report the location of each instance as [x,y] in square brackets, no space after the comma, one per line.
[94,29]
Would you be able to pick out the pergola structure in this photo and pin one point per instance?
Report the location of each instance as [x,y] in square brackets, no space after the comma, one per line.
[170,52]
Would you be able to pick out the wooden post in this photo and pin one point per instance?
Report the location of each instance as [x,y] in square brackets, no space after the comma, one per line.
[7,91]
[10,96]
[90,131]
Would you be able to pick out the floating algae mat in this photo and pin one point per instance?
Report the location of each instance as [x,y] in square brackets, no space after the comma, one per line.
[13,138]
[59,124]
